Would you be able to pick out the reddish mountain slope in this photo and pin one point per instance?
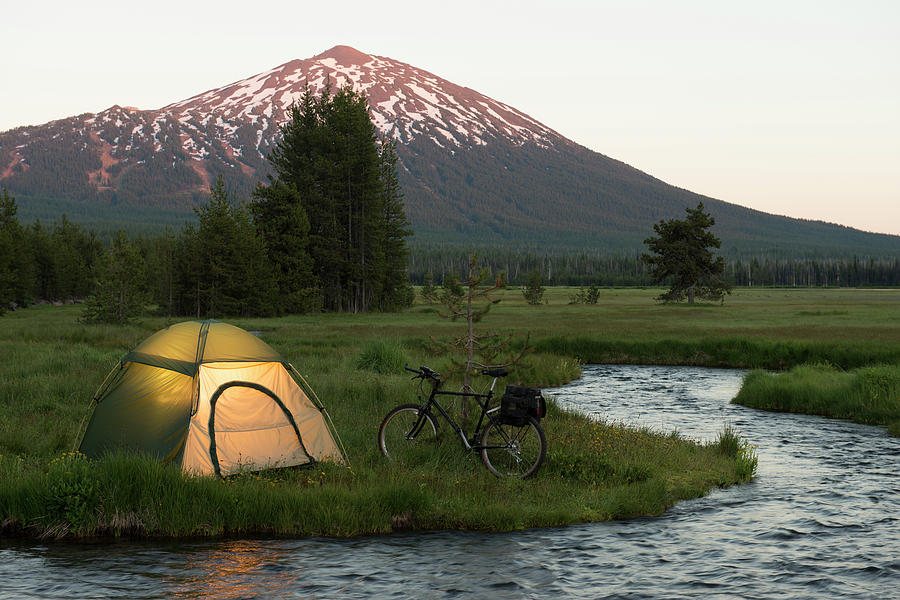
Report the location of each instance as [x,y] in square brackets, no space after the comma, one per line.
[470,165]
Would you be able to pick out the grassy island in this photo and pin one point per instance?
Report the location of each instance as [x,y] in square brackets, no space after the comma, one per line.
[869,395]
[51,365]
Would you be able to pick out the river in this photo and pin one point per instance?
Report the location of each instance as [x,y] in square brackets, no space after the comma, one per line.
[821,520]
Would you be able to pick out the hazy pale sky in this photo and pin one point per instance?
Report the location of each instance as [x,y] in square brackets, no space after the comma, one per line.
[789,107]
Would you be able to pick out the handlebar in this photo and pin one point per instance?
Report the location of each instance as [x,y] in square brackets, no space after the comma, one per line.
[425,372]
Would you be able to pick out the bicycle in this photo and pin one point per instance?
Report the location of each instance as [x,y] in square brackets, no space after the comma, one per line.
[511,443]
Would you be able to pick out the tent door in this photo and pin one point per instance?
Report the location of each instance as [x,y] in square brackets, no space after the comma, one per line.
[249,426]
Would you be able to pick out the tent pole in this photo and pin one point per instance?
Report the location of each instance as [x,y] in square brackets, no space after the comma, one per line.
[93,401]
[309,391]
[318,403]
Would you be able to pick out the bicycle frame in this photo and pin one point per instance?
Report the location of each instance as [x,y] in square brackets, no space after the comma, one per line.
[432,401]
[506,448]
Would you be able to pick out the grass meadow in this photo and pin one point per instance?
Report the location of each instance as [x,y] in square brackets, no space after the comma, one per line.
[51,365]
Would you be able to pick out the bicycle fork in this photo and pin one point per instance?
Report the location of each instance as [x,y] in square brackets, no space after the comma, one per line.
[417,426]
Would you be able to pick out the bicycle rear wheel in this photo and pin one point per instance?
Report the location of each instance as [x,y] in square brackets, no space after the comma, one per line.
[512,451]
[403,437]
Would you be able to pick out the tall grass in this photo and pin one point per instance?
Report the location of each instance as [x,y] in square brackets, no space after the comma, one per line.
[732,445]
[719,352]
[866,395]
[382,356]
[133,495]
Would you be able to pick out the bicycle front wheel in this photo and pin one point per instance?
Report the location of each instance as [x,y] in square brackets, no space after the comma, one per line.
[512,451]
[406,434]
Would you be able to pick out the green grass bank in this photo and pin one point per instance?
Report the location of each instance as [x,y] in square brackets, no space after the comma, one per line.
[50,366]
[869,395]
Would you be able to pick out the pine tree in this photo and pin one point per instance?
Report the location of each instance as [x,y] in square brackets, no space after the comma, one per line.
[222,266]
[119,294]
[463,300]
[188,269]
[346,183]
[397,291]
[682,256]
[356,189]
[8,223]
[534,289]
[159,255]
[16,259]
[282,222]
[429,291]
[41,244]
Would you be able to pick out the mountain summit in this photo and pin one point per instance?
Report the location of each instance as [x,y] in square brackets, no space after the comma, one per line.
[405,102]
[473,169]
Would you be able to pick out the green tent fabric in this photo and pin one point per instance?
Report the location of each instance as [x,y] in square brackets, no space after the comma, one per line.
[185,346]
[158,402]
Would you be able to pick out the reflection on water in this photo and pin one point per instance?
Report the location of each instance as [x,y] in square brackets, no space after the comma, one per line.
[232,569]
[820,521]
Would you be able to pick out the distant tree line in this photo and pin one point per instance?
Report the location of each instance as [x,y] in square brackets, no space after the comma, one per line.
[43,263]
[603,268]
[222,266]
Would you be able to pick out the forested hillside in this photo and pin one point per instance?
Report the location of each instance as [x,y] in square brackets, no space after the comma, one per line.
[473,171]
[572,198]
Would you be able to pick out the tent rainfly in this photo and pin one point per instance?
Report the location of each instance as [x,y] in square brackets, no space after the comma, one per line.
[214,399]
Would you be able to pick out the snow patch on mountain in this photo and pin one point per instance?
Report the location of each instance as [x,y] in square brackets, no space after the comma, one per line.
[238,122]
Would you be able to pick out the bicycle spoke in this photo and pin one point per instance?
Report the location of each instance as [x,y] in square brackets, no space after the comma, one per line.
[508,450]
[404,432]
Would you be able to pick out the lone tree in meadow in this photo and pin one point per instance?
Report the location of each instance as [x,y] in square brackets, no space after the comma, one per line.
[534,288]
[482,349]
[681,255]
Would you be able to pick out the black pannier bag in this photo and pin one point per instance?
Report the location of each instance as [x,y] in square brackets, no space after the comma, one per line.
[519,403]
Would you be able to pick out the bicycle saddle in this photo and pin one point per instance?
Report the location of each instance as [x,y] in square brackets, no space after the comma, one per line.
[497,372]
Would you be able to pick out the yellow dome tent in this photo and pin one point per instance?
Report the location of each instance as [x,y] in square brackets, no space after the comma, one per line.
[214,399]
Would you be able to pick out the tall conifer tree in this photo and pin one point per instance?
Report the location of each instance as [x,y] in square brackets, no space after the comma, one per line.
[397,291]
[346,184]
[120,293]
[681,255]
[16,262]
[282,222]
[222,263]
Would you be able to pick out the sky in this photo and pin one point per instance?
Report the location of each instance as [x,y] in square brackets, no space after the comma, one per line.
[790,107]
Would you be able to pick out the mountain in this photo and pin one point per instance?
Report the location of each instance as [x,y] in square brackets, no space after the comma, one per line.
[473,169]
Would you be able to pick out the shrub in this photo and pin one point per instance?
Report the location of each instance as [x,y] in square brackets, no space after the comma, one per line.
[73,490]
[534,289]
[586,296]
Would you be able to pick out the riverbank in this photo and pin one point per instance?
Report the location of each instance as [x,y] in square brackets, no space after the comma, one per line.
[594,471]
[869,395]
